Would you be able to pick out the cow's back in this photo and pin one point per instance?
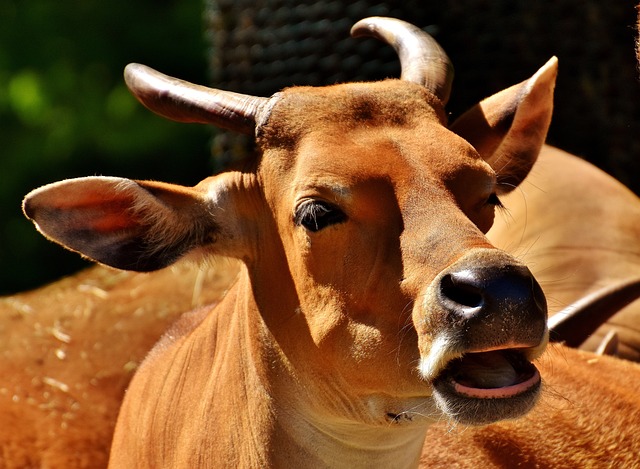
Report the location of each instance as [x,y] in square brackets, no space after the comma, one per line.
[578,230]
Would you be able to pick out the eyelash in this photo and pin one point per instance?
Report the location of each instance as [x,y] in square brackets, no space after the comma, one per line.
[315,215]
[495,201]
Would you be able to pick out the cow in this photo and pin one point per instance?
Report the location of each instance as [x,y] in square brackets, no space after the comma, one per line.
[70,348]
[578,230]
[369,304]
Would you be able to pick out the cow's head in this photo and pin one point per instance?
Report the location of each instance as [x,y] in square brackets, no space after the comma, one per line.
[361,226]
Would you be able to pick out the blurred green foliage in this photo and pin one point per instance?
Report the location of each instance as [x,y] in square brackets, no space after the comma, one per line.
[65,111]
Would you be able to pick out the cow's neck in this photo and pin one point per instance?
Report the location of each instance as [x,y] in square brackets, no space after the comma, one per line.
[305,430]
[311,443]
[229,385]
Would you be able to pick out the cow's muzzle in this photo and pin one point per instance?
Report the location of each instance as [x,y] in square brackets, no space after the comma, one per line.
[491,306]
[485,321]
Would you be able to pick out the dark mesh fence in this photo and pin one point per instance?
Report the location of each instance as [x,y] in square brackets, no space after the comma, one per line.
[259,47]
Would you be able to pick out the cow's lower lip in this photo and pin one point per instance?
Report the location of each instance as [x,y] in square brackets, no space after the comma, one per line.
[484,387]
[496,374]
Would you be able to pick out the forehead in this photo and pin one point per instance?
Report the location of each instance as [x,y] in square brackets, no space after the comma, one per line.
[393,152]
[365,129]
[300,110]
[410,161]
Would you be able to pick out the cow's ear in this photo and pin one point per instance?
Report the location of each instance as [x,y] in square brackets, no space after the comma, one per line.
[509,128]
[131,225]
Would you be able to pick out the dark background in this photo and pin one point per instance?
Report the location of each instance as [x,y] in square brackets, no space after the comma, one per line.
[65,112]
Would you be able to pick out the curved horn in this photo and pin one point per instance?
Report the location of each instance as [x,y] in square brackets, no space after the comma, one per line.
[182,101]
[422,59]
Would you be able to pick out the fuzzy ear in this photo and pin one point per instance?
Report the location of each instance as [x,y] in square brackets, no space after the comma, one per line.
[131,225]
[509,128]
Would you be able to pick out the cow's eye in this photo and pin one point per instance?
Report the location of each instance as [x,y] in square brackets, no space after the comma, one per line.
[315,215]
[494,200]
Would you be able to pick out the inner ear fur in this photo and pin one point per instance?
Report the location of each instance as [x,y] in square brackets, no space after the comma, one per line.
[509,128]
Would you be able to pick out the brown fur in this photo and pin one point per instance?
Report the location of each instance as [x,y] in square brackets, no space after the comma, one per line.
[578,230]
[351,107]
[589,416]
[73,429]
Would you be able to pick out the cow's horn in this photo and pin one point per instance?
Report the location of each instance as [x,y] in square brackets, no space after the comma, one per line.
[182,101]
[422,59]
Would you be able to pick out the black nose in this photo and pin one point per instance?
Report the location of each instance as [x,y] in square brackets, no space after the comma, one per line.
[494,304]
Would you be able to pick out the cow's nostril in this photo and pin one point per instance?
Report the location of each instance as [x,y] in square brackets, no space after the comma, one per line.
[458,288]
[487,301]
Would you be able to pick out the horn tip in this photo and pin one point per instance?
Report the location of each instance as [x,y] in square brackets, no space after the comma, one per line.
[132,69]
[132,74]
[368,26]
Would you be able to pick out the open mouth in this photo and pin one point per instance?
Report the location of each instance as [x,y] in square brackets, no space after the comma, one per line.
[484,387]
[491,375]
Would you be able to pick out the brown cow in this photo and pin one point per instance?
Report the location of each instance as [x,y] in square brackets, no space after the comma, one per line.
[295,350]
[360,229]
[69,350]
[578,230]
[400,425]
